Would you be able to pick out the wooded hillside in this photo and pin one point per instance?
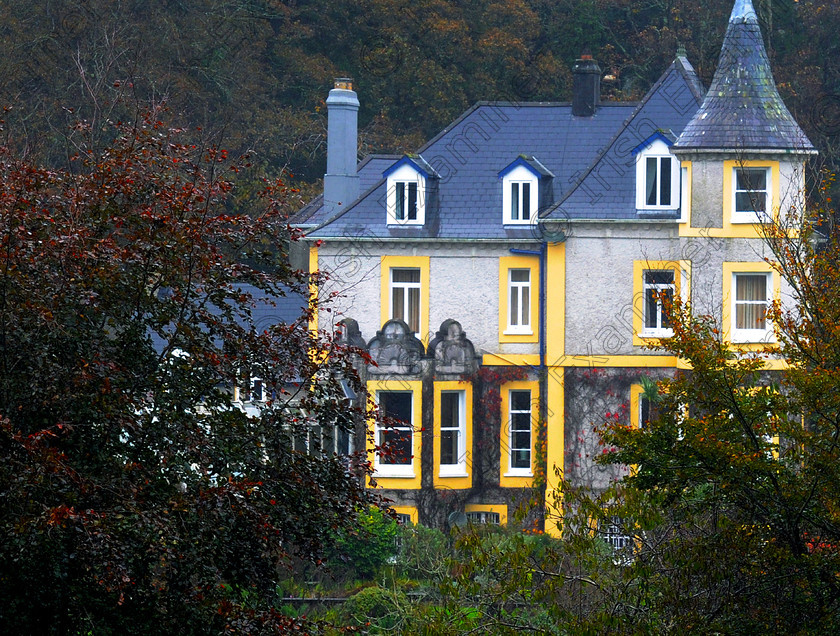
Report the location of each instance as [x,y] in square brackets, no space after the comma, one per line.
[254,73]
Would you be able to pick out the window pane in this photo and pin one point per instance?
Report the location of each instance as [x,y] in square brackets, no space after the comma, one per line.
[651,309]
[399,213]
[396,446]
[520,459]
[514,307]
[665,277]
[520,275]
[526,306]
[520,401]
[396,405]
[448,447]
[751,287]
[650,180]
[398,303]
[514,201]
[450,410]
[413,318]
[644,411]
[526,201]
[412,201]
[405,275]
[751,179]
[665,182]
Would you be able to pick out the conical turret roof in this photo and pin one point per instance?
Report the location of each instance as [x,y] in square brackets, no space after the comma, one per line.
[743,110]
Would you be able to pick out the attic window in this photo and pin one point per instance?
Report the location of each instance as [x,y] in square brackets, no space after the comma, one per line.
[657,176]
[520,194]
[406,195]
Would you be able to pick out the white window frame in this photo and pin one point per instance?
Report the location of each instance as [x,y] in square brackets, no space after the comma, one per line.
[659,331]
[512,470]
[406,288]
[657,150]
[751,335]
[459,468]
[483,517]
[752,216]
[515,291]
[385,469]
[405,176]
[520,176]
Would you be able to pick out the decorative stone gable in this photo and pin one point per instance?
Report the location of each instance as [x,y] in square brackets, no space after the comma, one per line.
[350,334]
[396,350]
[451,350]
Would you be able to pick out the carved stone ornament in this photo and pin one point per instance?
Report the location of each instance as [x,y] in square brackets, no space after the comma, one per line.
[395,349]
[350,334]
[452,352]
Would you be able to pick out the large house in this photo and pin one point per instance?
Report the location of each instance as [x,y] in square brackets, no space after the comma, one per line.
[506,279]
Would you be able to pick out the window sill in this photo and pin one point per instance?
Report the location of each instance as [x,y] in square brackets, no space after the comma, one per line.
[379,473]
[749,219]
[450,474]
[508,332]
[519,474]
[657,334]
[763,337]
[393,223]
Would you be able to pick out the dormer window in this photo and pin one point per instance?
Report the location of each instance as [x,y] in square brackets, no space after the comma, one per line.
[406,201]
[521,181]
[520,201]
[657,174]
[407,190]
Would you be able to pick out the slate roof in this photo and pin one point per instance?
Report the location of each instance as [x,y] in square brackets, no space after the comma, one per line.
[743,110]
[370,171]
[468,157]
[266,311]
[608,188]
[584,155]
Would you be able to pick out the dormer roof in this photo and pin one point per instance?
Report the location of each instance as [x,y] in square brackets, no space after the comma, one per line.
[531,163]
[743,110]
[660,135]
[416,162]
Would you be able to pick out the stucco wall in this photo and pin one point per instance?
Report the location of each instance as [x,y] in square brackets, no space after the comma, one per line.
[463,285]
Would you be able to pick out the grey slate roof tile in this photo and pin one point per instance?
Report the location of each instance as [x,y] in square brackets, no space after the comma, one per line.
[608,188]
[743,109]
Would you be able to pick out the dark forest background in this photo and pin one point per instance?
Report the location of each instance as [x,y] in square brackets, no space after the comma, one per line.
[254,74]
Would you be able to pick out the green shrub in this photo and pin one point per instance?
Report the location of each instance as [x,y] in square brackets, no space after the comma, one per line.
[363,550]
[378,606]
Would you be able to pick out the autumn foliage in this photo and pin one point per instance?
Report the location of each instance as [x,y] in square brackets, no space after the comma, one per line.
[135,499]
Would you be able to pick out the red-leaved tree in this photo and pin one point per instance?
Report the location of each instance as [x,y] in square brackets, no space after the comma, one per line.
[135,498]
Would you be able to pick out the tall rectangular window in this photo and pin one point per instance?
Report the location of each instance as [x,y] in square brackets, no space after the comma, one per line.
[519,301]
[520,431]
[751,191]
[520,201]
[452,433]
[658,289]
[658,191]
[750,306]
[405,296]
[395,437]
[406,201]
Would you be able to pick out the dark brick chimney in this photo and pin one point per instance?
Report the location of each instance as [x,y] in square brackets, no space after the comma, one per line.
[586,87]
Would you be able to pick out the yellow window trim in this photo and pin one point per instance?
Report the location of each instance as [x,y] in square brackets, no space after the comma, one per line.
[506,480]
[729,269]
[501,509]
[411,511]
[636,392]
[682,289]
[507,263]
[416,387]
[555,302]
[313,289]
[453,481]
[415,262]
